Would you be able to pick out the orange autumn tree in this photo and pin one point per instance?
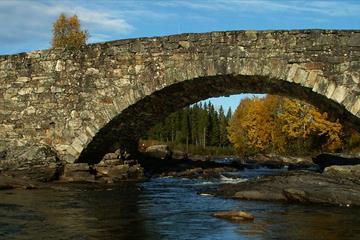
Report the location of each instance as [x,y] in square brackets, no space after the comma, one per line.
[67,33]
[254,126]
[281,125]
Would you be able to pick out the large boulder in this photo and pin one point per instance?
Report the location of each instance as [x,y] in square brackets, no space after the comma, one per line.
[32,161]
[234,215]
[345,171]
[9,182]
[113,173]
[276,161]
[115,170]
[325,160]
[77,172]
[298,187]
[159,151]
[179,155]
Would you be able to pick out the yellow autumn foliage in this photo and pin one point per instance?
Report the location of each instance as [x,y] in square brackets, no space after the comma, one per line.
[277,124]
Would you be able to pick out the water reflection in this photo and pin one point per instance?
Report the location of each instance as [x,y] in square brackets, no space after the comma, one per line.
[303,222]
[161,209]
[73,212]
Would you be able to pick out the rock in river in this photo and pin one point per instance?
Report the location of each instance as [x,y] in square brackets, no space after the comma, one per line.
[113,169]
[30,161]
[300,187]
[234,216]
[348,171]
[158,151]
[77,172]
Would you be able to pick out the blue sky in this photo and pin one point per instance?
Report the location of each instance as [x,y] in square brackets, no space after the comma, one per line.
[26,25]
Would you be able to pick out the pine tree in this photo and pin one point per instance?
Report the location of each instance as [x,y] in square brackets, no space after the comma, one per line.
[222,128]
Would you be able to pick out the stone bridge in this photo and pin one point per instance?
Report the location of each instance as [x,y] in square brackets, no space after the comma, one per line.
[87,102]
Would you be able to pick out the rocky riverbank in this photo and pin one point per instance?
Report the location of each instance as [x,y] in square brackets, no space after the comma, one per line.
[277,161]
[160,160]
[335,186]
[35,166]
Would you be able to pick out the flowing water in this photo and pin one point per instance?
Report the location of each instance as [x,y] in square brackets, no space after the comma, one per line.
[163,208]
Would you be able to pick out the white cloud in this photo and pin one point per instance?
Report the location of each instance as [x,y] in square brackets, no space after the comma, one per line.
[28,21]
[27,25]
[97,19]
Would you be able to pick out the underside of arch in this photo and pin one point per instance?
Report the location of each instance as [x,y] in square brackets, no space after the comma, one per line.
[132,123]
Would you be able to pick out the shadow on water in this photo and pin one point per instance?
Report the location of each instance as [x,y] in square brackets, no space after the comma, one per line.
[73,212]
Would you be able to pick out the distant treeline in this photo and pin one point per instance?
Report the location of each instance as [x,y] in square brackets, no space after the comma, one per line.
[198,125]
[271,124]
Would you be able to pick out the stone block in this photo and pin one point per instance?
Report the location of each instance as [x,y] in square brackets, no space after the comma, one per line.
[300,76]
[356,106]
[340,93]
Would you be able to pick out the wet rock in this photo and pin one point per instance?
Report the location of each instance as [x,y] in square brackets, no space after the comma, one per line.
[6,186]
[295,195]
[199,157]
[179,155]
[44,173]
[36,161]
[118,154]
[77,172]
[27,155]
[207,173]
[9,182]
[259,195]
[326,160]
[276,161]
[345,171]
[235,215]
[189,173]
[136,172]
[111,162]
[110,156]
[215,173]
[158,151]
[115,170]
[300,187]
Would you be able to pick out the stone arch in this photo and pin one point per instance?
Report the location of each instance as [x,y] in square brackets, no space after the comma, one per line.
[107,94]
[131,124]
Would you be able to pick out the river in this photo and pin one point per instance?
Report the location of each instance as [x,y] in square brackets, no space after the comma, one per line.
[163,208]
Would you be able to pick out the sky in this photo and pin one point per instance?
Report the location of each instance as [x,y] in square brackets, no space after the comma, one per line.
[26,25]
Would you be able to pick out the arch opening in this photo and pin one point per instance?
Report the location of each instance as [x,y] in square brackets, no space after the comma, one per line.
[131,124]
